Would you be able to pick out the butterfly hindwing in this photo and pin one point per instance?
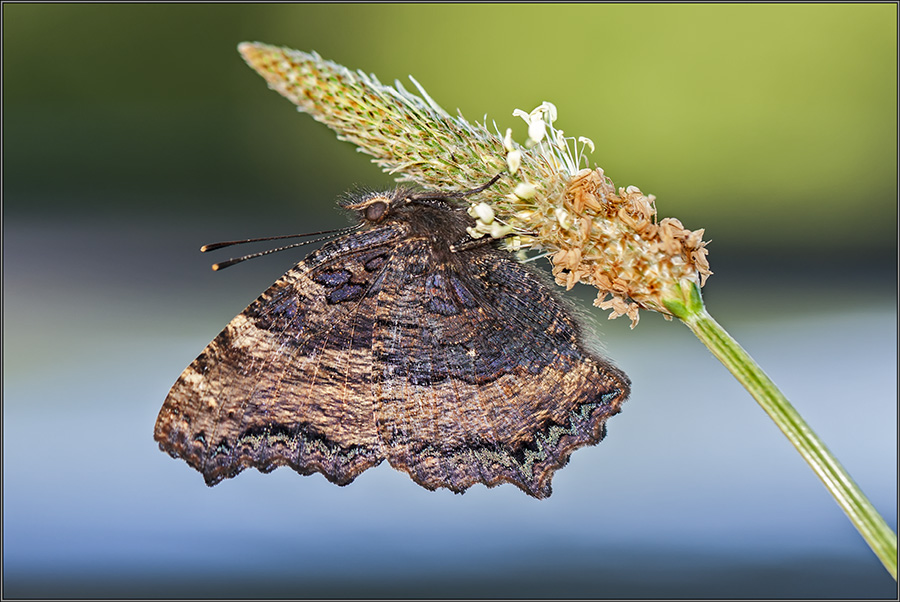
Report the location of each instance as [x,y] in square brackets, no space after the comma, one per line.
[483,374]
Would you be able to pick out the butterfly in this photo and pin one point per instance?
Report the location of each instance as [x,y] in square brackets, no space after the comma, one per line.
[402,340]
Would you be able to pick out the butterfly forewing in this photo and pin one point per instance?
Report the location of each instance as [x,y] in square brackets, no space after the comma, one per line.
[287,381]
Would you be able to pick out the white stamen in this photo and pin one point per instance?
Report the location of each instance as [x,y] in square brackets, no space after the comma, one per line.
[537,129]
[550,109]
[514,160]
[525,191]
[587,142]
[482,212]
[474,233]
[507,141]
[499,230]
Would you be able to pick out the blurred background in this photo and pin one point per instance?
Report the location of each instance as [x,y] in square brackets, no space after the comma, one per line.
[133,134]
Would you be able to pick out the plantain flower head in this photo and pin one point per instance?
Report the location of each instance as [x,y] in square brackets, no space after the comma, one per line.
[549,200]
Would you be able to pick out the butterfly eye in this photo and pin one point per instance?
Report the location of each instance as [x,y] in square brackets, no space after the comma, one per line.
[376,211]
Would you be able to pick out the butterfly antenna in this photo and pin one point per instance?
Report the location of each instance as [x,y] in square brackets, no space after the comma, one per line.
[227,264]
[430,196]
[480,188]
[222,245]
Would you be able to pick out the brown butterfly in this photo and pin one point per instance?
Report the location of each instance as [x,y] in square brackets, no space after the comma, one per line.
[403,340]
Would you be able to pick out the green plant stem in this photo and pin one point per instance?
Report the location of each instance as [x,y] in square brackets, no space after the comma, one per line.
[859,509]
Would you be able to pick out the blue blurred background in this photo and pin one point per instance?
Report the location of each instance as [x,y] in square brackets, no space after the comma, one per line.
[134,133]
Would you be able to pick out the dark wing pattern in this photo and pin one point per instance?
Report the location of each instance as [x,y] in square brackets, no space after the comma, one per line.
[483,377]
[287,381]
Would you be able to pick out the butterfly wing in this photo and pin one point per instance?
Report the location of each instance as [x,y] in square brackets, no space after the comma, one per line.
[288,381]
[458,367]
[483,375]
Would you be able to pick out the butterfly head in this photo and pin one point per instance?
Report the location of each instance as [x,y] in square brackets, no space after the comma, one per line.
[373,207]
[378,207]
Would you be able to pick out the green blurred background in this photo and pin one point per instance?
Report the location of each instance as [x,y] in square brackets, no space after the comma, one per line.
[132,134]
[772,126]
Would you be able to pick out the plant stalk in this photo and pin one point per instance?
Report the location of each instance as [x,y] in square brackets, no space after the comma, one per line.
[846,492]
